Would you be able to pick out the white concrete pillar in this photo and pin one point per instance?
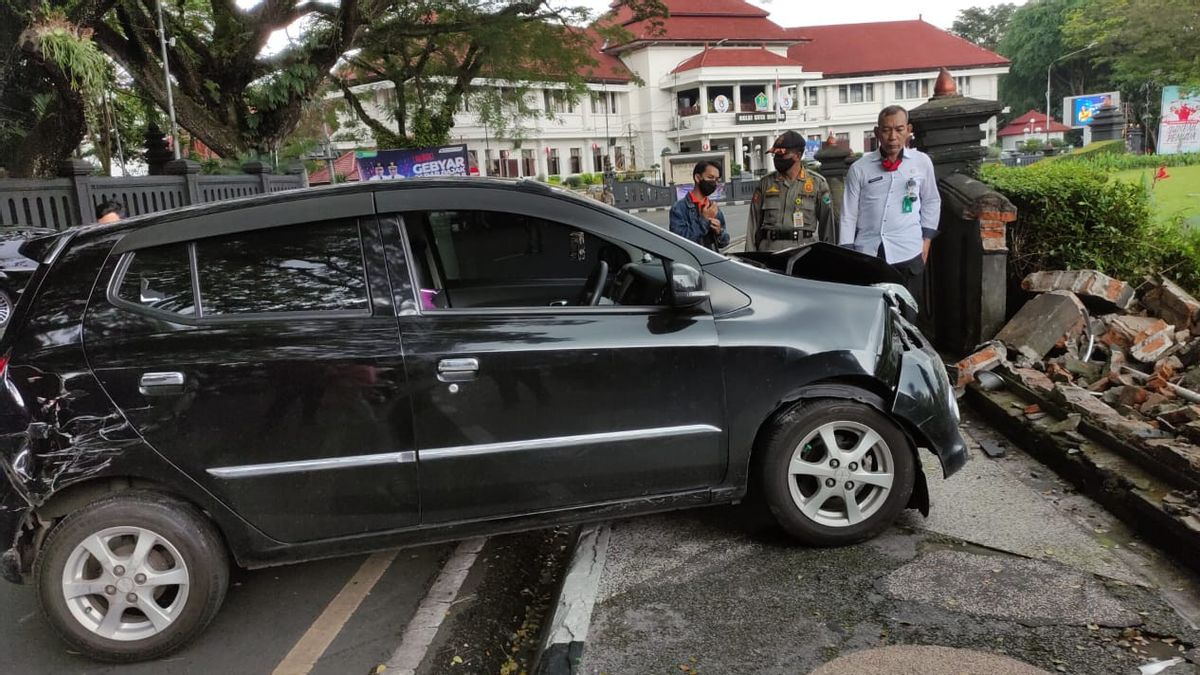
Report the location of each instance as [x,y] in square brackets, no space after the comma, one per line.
[737,98]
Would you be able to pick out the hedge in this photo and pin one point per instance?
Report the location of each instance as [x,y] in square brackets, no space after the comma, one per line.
[1074,216]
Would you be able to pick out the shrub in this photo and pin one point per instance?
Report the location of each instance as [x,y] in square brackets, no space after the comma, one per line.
[1123,162]
[573,181]
[1031,146]
[555,180]
[1074,217]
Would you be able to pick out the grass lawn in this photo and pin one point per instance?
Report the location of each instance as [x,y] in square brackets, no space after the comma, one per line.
[1179,194]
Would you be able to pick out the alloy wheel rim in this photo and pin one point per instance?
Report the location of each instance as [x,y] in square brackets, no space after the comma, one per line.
[125,583]
[841,474]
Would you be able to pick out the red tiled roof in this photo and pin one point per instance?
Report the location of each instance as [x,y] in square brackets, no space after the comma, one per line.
[733,58]
[609,67]
[1017,126]
[346,167]
[886,47]
[703,20]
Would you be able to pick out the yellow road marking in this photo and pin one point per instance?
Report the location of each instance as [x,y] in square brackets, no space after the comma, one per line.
[321,633]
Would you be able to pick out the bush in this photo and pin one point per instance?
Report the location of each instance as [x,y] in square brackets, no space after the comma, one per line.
[591,178]
[573,181]
[1074,217]
[1123,162]
[1030,146]
[555,180]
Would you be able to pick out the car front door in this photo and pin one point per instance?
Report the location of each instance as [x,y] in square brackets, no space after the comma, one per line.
[282,390]
[524,401]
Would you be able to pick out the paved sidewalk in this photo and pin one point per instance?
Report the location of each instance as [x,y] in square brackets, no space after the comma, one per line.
[1011,564]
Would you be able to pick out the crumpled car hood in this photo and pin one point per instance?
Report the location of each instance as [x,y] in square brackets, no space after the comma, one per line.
[825,262]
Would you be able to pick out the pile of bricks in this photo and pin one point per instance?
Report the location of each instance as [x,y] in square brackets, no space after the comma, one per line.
[1122,357]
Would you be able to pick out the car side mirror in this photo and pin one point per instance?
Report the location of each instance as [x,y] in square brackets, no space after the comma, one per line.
[686,287]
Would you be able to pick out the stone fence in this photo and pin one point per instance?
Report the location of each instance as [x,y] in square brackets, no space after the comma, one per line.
[72,198]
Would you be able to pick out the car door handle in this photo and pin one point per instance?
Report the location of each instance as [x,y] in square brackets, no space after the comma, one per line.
[158,384]
[458,370]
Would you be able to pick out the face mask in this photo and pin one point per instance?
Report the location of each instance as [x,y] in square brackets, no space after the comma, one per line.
[784,164]
[707,187]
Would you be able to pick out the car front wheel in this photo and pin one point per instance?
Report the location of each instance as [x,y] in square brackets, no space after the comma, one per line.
[131,577]
[836,472]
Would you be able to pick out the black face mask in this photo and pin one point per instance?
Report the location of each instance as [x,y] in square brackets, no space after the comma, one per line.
[707,187]
[784,164]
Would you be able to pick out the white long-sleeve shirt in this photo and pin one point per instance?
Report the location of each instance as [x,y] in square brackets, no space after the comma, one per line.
[873,206]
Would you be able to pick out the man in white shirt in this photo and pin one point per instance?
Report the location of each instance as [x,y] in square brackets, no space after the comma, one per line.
[891,205]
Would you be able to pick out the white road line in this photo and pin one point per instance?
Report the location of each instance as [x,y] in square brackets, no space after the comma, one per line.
[423,627]
[321,633]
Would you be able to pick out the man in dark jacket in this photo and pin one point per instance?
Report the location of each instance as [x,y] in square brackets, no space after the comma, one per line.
[696,217]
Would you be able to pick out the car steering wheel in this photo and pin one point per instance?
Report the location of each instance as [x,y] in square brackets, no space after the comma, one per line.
[594,285]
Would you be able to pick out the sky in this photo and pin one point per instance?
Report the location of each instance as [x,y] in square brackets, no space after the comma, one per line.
[790,13]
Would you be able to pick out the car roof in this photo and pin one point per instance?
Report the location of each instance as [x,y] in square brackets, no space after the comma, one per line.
[89,232]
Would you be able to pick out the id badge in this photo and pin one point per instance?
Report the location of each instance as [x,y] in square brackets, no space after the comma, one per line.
[797,219]
[906,205]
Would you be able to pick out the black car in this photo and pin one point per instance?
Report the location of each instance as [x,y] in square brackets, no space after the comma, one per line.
[385,364]
[15,269]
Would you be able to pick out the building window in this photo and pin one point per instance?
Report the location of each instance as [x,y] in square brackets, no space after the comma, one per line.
[555,100]
[870,143]
[856,93]
[554,168]
[509,167]
[909,89]
[473,161]
[493,165]
[964,84]
[604,103]
[814,137]
[810,96]
[529,163]
[843,139]
[597,158]
[576,160]
[620,153]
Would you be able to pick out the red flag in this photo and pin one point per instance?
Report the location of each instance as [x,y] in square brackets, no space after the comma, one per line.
[1161,175]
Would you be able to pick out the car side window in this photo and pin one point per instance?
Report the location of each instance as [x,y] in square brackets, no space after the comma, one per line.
[316,267]
[160,278]
[467,259]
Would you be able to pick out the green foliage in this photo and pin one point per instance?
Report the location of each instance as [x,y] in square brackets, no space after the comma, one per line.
[573,181]
[1033,41]
[1071,216]
[79,58]
[985,26]
[1110,162]
[555,180]
[1031,145]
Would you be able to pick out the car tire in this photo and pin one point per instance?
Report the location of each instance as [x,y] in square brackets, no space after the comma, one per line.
[167,571]
[810,489]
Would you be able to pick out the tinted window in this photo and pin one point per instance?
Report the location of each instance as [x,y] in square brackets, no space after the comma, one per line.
[302,268]
[160,278]
[487,245]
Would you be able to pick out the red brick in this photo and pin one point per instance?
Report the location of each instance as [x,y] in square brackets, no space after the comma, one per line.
[987,357]
[1173,304]
[1092,286]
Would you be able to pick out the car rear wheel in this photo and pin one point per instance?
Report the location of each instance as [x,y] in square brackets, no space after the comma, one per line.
[132,577]
[836,472]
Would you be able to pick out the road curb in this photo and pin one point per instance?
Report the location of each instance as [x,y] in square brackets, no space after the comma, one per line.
[566,634]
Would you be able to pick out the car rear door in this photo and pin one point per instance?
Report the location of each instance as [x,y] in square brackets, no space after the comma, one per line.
[282,390]
[525,405]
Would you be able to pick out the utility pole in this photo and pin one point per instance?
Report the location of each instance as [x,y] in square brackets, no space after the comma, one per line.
[162,41]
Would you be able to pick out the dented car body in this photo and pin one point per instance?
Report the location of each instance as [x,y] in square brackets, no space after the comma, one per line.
[310,402]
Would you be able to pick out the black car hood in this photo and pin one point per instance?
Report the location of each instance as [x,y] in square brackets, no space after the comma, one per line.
[825,262]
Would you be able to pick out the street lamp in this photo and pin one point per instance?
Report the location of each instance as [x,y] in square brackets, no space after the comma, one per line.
[1048,67]
[162,41]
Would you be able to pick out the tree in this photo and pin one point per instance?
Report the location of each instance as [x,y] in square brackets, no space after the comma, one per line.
[1145,44]
[50,81]
[985,26]
[480,54]
[1034,40]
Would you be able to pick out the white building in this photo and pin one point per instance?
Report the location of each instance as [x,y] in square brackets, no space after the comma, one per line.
[720,76]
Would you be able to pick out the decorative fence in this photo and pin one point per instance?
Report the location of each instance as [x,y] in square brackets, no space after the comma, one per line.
[64,202]
[643,195]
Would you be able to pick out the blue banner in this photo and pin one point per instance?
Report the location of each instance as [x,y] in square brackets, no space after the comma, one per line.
[447,160]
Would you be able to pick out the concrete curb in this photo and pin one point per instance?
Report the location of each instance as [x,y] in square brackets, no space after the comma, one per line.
[566,634]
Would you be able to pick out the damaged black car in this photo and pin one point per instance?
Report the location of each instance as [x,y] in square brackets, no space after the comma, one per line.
[343,370]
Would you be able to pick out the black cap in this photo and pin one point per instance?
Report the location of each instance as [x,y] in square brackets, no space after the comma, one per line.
[789,140]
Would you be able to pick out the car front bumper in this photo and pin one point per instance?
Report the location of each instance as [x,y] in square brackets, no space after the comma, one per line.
[925,399]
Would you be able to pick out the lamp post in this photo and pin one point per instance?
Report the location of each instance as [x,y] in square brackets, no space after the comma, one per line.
[162,41]
[1048,67]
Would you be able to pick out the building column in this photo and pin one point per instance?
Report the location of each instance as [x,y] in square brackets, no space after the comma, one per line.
[703,99]
[542,161]
[737,98]
[742,156]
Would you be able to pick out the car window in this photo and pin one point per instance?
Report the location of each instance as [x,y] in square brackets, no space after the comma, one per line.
[160,278]
[315,267]
[468,259]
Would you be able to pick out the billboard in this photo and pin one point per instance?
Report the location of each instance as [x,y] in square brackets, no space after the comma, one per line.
[447,160]
[1179,130]
[1083,108]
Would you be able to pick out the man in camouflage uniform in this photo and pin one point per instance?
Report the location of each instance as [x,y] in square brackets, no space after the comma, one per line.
[792,205]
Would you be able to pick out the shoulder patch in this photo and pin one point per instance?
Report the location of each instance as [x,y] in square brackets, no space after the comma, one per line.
[773,190]
[809,186]
[826,199]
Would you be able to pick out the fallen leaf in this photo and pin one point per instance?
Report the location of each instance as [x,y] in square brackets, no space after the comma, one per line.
[456,660]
